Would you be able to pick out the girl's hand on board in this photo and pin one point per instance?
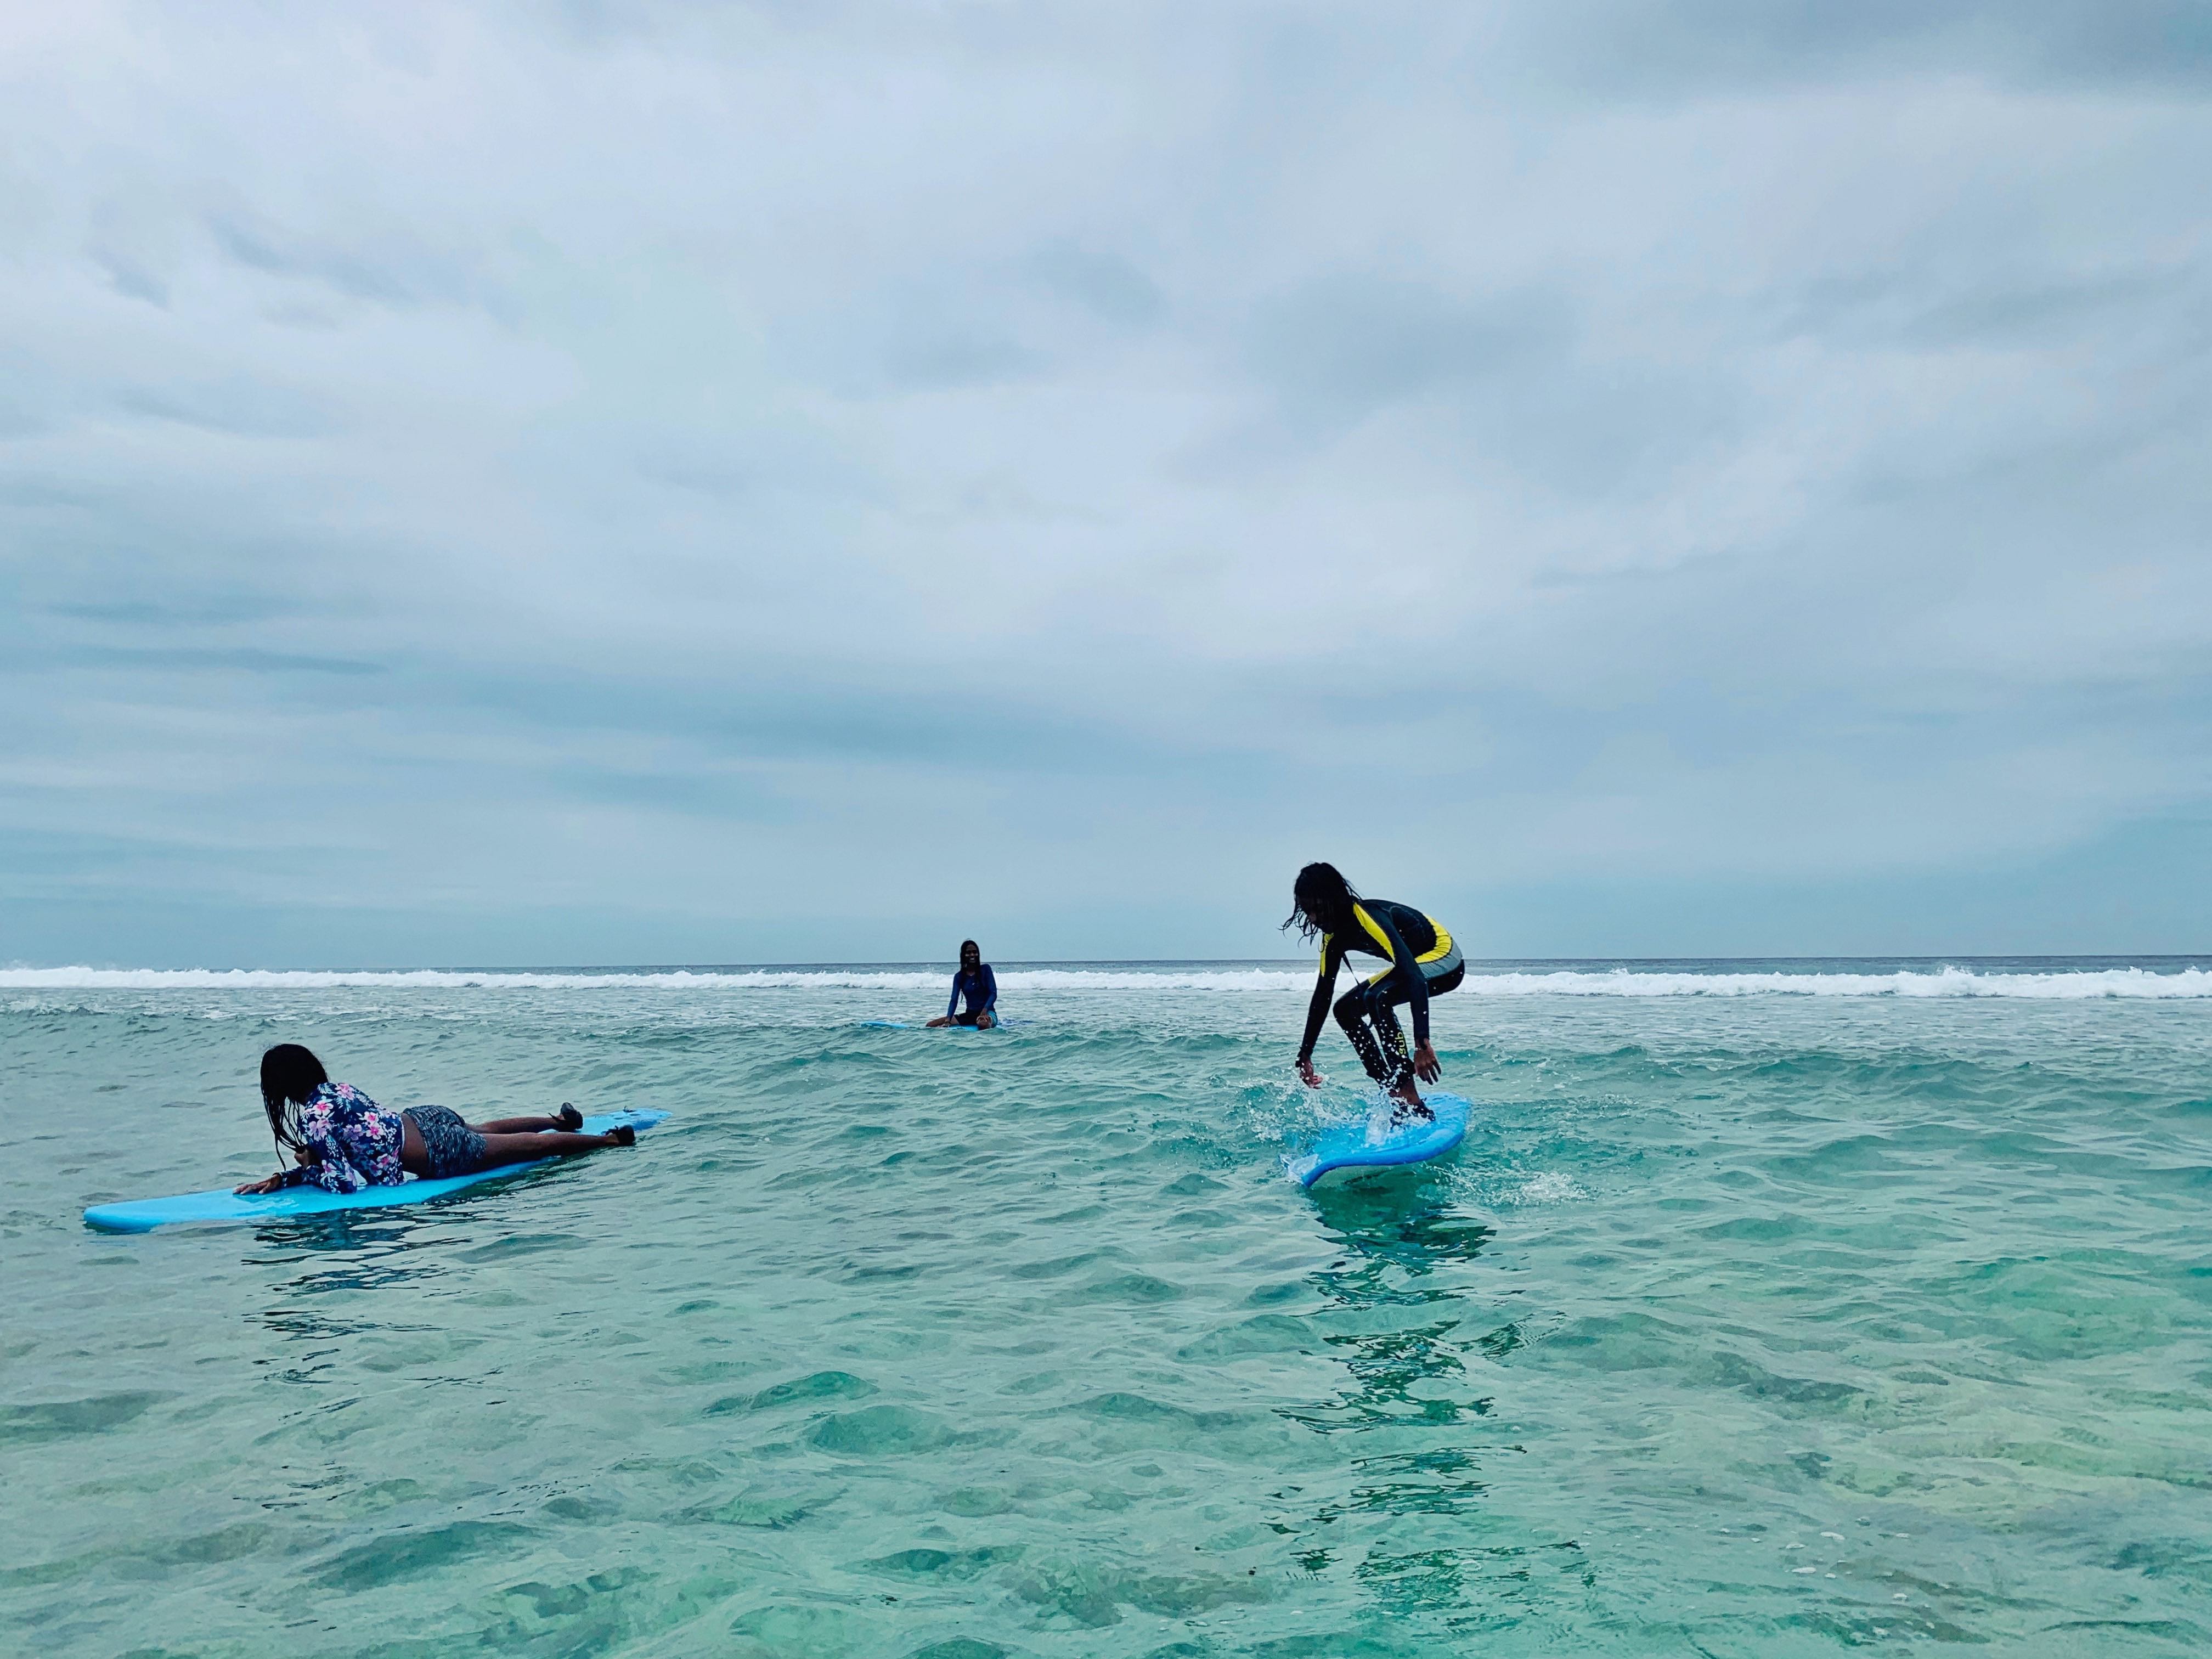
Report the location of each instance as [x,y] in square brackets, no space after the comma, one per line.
[266,1184]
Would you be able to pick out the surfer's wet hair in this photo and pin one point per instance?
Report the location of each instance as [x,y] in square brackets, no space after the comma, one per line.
[1321,901]
[289,1073]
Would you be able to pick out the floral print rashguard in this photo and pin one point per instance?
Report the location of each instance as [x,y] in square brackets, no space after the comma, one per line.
[354,1143]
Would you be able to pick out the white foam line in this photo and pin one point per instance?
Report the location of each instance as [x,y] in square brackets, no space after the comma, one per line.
[2084,985]
[2090,983]
[258,978]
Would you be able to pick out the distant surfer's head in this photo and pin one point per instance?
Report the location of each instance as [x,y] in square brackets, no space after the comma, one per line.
[971,954]
[289,1073]
[1321,901]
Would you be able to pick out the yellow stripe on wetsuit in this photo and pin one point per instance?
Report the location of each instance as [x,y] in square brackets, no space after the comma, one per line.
[1436,952]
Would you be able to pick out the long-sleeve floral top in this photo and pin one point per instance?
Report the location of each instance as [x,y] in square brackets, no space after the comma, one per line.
[353,1141]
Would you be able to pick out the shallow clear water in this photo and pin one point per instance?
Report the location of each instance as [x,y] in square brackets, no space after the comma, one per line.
[1745,1324]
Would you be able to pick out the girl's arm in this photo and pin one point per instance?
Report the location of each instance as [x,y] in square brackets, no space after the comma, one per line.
[281,1179]
[1317,1010]
[990,990]
[952,1002]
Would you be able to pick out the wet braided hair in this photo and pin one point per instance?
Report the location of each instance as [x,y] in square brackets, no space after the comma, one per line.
[289,1073]
[1321,901]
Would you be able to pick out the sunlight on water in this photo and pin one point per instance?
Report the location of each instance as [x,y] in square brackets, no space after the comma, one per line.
[1745,1324]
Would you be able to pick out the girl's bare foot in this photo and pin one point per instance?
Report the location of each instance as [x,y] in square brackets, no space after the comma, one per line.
[621,1135]
[568,1118]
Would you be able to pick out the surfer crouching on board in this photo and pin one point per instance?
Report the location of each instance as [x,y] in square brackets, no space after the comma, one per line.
[976,982]
[1423,963]
[343,1142]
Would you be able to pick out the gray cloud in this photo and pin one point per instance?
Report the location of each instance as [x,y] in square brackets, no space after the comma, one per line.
[1108,285]
[245,409]
[215,661]
[2163,46]
[352,272]
[1343,347]
[706,472]
[2163,304]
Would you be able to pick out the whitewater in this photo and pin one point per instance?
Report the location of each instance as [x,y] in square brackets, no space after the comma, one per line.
[2177,978]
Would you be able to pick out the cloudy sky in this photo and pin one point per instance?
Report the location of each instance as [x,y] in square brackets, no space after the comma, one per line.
[538,483]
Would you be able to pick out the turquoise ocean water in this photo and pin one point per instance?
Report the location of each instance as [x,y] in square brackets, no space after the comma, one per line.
[1768,1309]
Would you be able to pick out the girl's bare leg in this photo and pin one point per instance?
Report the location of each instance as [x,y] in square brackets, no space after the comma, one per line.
[501,1148]
[570,1120]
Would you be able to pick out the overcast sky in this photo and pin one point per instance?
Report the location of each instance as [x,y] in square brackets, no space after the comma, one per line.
[536,484]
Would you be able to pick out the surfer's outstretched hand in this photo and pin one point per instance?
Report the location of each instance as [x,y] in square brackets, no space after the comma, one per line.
[1425,1064]
[1307,1075]
[266,1184]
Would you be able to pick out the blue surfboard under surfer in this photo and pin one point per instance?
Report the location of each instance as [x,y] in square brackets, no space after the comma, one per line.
[1422,961]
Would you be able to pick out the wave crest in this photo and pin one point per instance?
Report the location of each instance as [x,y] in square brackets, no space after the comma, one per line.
[2086,984]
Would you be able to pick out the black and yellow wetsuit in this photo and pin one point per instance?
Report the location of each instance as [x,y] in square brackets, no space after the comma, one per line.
[1423,963]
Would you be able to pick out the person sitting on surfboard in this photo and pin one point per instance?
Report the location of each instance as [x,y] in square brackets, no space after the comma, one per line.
[976,982]
[1423,963]
[343,1142]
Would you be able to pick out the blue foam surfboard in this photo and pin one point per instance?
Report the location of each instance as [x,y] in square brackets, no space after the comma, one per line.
[1373,1143]
[144,1214]
[997,1024]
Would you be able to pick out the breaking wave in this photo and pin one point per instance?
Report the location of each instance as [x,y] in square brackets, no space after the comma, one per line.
[1949,981]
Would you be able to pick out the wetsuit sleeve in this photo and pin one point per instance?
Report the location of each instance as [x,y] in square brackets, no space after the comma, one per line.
[990,989]
[1403,959]
[952,1002]
[1317,1010]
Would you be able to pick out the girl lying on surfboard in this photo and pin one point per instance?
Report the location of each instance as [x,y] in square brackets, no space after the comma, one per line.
[1423,963]
[342,1141]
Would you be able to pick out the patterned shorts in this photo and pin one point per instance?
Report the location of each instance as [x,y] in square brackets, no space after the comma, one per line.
[454,1147]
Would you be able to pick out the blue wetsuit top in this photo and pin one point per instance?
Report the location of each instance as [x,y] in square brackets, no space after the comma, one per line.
[980,988]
